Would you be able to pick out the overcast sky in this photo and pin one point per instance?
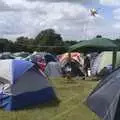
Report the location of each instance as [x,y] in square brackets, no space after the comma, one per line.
[70,18]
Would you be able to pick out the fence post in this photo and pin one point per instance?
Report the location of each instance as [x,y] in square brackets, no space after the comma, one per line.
[114,59]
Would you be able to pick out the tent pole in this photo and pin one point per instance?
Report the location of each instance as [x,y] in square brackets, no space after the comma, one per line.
[84,64]
[114,59]
[69,57]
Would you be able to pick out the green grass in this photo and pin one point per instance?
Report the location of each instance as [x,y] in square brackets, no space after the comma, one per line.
[71,95]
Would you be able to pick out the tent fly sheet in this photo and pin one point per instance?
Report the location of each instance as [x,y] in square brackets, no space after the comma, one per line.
[22,84]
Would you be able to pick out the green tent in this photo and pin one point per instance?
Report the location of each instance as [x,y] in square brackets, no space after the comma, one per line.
[94,45]
[97,44]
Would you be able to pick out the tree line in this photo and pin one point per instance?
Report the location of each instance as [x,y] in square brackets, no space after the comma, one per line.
[47,40]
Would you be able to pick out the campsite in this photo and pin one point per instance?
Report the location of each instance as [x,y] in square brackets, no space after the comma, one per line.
[45,86]
[71,107]
[59,59]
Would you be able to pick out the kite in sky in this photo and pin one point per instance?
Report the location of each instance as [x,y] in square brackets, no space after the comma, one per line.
[93,12]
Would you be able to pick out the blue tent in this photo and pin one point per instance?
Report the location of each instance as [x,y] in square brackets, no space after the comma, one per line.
[21,84]
[48,57]
[104,100]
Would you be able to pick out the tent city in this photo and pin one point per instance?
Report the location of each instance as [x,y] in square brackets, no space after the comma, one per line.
[59,59]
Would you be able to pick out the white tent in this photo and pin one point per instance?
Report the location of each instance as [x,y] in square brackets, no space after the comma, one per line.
[102,60]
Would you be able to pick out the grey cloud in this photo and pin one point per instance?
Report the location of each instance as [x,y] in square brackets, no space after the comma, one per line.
[14,23]
[19,8]
[57,0]
[70,20]
[10,23]
[4,7]
[73,1]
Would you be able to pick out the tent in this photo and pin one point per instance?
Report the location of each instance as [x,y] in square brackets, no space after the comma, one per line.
[21,55]
[76,56]
[41,59]
[97,44]
[53,70]
[21,84]
[102,60]
[75,67]
[44,55]
[94,45]
[6,55]
[105,98]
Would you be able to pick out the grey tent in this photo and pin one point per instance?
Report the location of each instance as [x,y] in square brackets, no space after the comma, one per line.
[6,55]
[53,69]
[105,98]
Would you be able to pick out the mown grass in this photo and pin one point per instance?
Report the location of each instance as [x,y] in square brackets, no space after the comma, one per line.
[71,95]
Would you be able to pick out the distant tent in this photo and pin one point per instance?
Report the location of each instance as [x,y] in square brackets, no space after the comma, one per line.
[94,45]
[41,59]
[97,44]
[76,65]
[21,84]
[74,68]
[6,55]
[103,60]
[50,58]
[53,69]
[105,98]
[75,56]
[44,55]
[21,55]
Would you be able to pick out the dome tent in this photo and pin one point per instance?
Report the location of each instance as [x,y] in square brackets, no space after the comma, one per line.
[53,70]
[41,59]
[44,55]
[21,84]
[104,100]
[75,66]
[103,60]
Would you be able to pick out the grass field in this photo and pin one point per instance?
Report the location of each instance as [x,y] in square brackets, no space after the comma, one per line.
[71,94]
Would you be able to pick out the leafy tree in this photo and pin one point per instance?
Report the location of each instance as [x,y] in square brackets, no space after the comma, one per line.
[24,44]
[10,47]
[48,40]
[4,45]
[99,36]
